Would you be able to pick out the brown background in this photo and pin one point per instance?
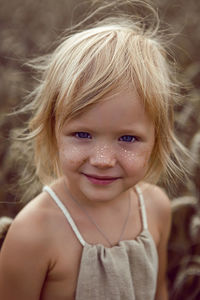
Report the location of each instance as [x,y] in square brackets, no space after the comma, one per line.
[28,29]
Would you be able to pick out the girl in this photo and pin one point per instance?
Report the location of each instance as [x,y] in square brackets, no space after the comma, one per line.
[102,134]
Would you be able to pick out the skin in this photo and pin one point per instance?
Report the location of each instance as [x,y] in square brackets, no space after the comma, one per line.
[40,257]
[95,144]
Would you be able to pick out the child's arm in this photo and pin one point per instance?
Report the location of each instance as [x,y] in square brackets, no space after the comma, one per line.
[164,225]
[23,260]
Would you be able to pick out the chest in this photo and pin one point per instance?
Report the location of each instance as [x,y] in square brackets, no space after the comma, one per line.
[79,270]
[62,277]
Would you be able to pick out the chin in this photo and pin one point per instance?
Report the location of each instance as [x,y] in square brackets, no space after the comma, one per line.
[102,195]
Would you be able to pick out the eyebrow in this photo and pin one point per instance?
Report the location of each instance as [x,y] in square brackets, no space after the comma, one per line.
[75,127]
[133,128]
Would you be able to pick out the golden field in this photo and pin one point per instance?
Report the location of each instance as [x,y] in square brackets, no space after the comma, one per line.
[29,29]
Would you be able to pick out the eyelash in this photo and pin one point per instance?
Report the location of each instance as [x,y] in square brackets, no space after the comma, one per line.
[78,135]
[133,138]
[86,135]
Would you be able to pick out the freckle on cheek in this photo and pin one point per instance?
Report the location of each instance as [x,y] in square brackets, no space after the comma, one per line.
[128,155]
[141,158]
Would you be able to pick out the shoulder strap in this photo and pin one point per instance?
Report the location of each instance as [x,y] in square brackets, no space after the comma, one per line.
[142,207]
[65,212]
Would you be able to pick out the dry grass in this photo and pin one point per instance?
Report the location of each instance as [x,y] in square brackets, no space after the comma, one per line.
[29,28]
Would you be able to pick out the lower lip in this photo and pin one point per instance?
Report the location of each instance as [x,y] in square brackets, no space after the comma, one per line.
[100,181]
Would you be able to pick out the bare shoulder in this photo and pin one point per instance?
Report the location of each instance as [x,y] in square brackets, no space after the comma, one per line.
[26,257]
[158,206]
[39,252]
[40,226]
[30,226]
[156,196]
[33,215]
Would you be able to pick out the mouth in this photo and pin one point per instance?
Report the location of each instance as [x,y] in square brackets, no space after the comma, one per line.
[101,180]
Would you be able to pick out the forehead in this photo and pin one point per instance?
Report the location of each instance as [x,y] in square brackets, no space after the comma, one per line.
[120,109]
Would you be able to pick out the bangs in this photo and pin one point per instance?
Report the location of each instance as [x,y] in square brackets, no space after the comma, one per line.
[91,64]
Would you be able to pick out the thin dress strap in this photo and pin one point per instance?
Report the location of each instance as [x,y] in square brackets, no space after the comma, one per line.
[65,212]
[142,207]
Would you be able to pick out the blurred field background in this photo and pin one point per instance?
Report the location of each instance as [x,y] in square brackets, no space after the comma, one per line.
[28,29]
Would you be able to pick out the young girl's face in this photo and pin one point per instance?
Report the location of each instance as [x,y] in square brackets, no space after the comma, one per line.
[105,150]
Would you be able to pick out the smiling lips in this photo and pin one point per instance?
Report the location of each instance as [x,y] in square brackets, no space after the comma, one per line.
[101,180]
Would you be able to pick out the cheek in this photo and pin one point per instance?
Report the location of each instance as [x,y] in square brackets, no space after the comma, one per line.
[134,161]
[70,156]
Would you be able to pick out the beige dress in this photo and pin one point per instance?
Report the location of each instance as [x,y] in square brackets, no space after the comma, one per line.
[127,271]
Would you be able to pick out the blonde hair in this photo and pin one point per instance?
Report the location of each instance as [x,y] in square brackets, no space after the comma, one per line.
[88,64]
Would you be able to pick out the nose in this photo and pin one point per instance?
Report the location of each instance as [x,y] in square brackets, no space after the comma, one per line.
[103,157]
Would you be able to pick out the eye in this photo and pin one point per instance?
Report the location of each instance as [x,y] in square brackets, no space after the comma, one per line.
[82,135]
[128,138]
